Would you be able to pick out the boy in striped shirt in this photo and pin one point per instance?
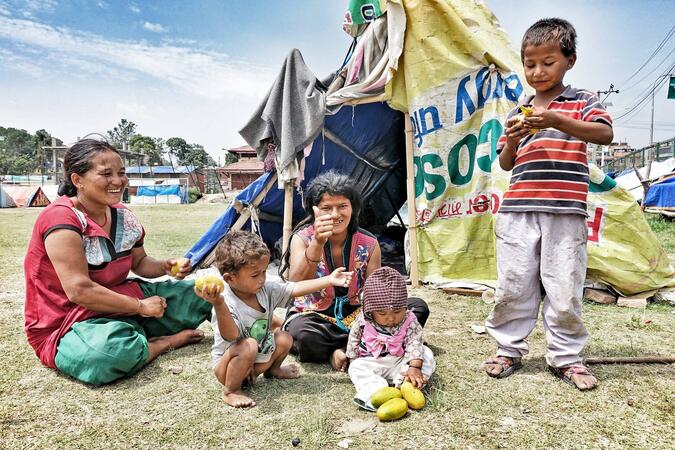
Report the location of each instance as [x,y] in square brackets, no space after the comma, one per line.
[541,226]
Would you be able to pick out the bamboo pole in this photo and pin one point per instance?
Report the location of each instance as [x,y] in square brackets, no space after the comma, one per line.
[288,215]
[632,360]
[410,188]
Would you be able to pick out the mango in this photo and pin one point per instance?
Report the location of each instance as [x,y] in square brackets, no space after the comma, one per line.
[525,111]
[177,265]
[392,410]
[208,281]
[413,396]
[383,395]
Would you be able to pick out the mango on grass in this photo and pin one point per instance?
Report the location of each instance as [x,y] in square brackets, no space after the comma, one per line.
[177,265]
[383,395]
[413,396]
[392,410]
[208,281]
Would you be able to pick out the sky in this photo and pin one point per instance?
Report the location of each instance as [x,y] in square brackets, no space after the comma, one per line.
[198,69]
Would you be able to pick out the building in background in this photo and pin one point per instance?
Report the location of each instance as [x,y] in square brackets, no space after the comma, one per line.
[240,174]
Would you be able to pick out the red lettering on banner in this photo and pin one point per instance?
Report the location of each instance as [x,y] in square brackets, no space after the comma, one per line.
[495,203]
[594,225]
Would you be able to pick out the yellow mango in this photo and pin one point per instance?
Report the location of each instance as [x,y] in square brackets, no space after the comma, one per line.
[413,396]
[208,281]
[177,265]
[392,410]
[526,110]
[383,395]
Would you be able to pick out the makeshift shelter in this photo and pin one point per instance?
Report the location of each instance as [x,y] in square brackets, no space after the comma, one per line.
[6,200]
[26,195]
[423,128]
[661,196]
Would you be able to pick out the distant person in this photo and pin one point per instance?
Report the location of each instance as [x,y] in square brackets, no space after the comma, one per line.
[385,341]
[541,225]
[83,316]
[327,238]
[245,343]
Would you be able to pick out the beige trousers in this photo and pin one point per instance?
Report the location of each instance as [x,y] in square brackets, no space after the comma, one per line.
[540,254]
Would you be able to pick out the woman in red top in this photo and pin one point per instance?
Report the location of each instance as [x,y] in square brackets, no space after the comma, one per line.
[83,316]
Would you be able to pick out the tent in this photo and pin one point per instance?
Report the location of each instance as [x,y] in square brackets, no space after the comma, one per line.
[26,195]
[6,200]
[661,196]
[415,114]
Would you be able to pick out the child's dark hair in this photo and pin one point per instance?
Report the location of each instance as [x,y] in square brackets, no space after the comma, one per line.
[77,160]
[237,249]
[551,30]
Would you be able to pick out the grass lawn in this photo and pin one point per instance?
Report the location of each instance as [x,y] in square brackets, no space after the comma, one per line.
[634,406]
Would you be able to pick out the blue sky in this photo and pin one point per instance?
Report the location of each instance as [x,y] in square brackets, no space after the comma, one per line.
[197,69]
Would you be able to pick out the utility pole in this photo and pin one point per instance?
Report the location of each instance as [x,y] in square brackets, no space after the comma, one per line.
[607,93]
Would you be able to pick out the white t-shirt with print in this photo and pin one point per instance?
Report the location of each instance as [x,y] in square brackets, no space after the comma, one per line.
[251,322]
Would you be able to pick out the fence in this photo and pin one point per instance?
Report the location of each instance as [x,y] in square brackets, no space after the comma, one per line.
[658,151]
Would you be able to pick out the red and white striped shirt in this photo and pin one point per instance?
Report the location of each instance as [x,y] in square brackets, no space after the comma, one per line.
[551,170]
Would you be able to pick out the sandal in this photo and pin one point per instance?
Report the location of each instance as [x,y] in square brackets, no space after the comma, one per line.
[566,374]
[508,365]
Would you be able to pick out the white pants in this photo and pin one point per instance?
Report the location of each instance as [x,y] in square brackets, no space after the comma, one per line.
[538,251]
[370,374]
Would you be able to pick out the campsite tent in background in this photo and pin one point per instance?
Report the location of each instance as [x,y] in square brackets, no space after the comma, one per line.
[6,200]
[26,195]
[661,196]
[457,85]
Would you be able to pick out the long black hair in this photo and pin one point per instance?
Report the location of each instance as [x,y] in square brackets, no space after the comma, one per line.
[331,183]
[78,160]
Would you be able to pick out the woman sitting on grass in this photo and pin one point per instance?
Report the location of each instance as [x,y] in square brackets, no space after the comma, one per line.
[83,316]
[329,238]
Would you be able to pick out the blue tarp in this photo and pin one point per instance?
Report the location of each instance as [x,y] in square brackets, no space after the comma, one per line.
[153,191]
[372,153]
[661,195]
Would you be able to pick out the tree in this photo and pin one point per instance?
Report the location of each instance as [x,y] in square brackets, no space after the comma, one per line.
[146,145]
[230,158]
[122,133]
[198,157]
[178,147]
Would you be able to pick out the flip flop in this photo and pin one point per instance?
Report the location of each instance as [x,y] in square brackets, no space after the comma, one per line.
[508,365]
[566,373]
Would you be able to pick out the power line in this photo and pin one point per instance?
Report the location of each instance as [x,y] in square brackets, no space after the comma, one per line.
[663,42]
[662,80]
[651,71]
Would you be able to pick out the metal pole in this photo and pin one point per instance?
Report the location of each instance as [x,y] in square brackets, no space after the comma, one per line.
[651,126]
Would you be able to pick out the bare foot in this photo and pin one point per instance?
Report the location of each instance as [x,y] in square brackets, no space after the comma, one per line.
[284,372]
[237,399]
[339,360]
[180,339]
[584,382]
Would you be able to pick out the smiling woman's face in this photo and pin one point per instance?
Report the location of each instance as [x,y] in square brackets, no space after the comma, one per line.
[105,180]
[340,209]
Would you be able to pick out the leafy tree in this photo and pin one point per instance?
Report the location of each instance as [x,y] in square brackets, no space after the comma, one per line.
[230,158]
[178,148]
[122,133]
[146,145]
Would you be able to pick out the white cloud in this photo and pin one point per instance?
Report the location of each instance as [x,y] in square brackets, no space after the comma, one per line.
[4,11]
[102,4]
[135,9]
[205,73]
[29,8]
[154,27]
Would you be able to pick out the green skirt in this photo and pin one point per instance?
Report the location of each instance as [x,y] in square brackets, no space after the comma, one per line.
[101,350]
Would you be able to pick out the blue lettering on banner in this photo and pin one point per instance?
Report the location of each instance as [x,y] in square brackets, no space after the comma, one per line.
[420,124]
[509,87]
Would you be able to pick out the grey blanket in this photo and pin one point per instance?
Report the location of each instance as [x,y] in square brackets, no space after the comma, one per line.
[291,115]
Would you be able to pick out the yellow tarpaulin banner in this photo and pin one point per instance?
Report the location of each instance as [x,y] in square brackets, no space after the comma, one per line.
[458,77]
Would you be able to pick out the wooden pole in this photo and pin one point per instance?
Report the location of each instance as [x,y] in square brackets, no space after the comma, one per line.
[288,215]
[632,360]
[410,188]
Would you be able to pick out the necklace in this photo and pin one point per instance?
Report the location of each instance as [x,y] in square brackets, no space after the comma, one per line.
[105,215]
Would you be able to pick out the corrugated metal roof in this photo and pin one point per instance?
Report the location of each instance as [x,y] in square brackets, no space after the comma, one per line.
[245,165]
[160,169]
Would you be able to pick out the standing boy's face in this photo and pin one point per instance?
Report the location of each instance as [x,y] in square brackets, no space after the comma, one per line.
[250,278]
[545,67]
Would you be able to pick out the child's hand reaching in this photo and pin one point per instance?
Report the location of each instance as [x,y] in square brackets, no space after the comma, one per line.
[414,375]
[210,293]
[340,278]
